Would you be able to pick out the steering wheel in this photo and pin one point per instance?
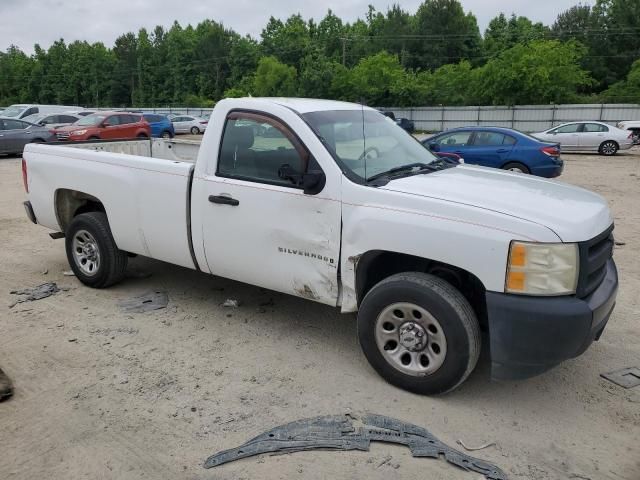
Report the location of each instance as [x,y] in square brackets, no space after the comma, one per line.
[367,151]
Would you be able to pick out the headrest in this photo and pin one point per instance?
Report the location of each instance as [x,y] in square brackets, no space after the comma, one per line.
[241,136]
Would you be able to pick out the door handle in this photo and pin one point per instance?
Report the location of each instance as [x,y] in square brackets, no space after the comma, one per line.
[224,200]
[502,150]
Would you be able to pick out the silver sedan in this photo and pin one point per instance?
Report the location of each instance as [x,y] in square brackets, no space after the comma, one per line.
[189,124]
[15,134]
[588,137]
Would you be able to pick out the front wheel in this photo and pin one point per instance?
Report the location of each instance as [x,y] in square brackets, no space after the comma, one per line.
[166,135]
[195,130]
[516,167]
[419,333]
[608,148]
[92,252]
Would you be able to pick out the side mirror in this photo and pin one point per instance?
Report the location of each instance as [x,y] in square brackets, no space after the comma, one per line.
[434,147]
[311,182]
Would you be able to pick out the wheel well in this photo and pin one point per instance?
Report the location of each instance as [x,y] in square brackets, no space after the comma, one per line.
[375,266]
[517,162]
[71,203]
[612,141]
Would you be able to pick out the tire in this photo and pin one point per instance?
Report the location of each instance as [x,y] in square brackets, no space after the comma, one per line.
[88,234]
[143,135]
[516,167]
[166,134]
[93,138]
[608,148]
[195,130]
[446,321]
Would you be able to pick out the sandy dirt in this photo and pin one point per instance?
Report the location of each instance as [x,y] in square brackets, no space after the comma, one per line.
[106,395]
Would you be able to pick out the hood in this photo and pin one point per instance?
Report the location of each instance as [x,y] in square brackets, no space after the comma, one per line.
[572,213]
[72,128]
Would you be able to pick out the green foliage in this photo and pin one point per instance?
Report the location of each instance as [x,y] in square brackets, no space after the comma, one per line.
[273,78]
[539,72]
[627,90]
[502,34]
[394,57]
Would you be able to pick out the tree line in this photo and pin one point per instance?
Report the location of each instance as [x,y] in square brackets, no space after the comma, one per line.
[435,56]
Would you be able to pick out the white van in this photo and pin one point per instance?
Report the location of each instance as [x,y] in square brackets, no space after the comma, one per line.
[24,110]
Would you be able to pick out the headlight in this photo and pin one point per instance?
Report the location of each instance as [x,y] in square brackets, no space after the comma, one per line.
[542,268]
[79,132]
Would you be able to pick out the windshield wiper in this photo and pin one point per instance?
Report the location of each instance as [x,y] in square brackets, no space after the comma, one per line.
[410,168]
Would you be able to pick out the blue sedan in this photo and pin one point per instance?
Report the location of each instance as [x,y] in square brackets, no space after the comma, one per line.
[497,147]
[160,125]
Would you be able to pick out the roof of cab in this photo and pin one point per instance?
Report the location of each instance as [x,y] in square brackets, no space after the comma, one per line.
[306,105]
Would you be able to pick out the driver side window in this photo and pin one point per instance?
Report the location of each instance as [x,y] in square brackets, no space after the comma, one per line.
[457,139]
[255,147]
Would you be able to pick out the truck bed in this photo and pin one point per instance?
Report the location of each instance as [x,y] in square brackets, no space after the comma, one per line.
[160,148]
[144,186]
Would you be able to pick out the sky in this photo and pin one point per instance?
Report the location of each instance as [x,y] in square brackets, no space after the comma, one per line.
[27,22]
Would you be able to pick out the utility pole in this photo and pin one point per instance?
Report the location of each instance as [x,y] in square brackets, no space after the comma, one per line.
[344,50]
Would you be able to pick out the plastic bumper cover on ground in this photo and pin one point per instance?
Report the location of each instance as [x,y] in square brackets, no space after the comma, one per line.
[529,335]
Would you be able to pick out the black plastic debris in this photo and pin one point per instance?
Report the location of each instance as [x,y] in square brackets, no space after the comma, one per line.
[36,293]
[146,302]
[625,377]
[351,432]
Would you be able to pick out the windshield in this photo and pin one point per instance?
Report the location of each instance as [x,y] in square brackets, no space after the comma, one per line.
[90,120]
[13,111]
[367,142]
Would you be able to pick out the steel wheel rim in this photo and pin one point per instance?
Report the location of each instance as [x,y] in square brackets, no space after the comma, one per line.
[609,148]
[86,253]
[404,348]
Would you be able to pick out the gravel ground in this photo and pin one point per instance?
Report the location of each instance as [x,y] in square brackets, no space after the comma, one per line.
[102,394]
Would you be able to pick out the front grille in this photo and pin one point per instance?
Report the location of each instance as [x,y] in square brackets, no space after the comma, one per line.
[62,135]
[594,255]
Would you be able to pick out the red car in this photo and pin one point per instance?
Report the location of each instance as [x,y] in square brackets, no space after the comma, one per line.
[106,126]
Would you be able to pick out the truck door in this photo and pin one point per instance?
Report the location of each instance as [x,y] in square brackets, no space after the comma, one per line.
[261,229]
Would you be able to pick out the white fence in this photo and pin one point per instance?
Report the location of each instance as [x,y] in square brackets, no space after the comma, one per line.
[527,118]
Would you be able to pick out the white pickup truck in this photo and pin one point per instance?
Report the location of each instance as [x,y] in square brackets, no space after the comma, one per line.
[335,203]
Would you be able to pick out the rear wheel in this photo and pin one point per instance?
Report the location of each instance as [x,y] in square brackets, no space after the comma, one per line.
[195,130]
[419,333]
[143,135]
[92,252]
[516,167]
[608,148]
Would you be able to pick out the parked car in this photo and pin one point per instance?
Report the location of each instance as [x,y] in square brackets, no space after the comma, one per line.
[52,121]
[15,134]
[160,125]
[21,111]
[634,127]
[424,250]
[498,147]
[406,124]
[106,126]
[189,124]
[588,137]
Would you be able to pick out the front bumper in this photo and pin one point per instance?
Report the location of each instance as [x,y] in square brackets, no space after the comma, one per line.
[530,335]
